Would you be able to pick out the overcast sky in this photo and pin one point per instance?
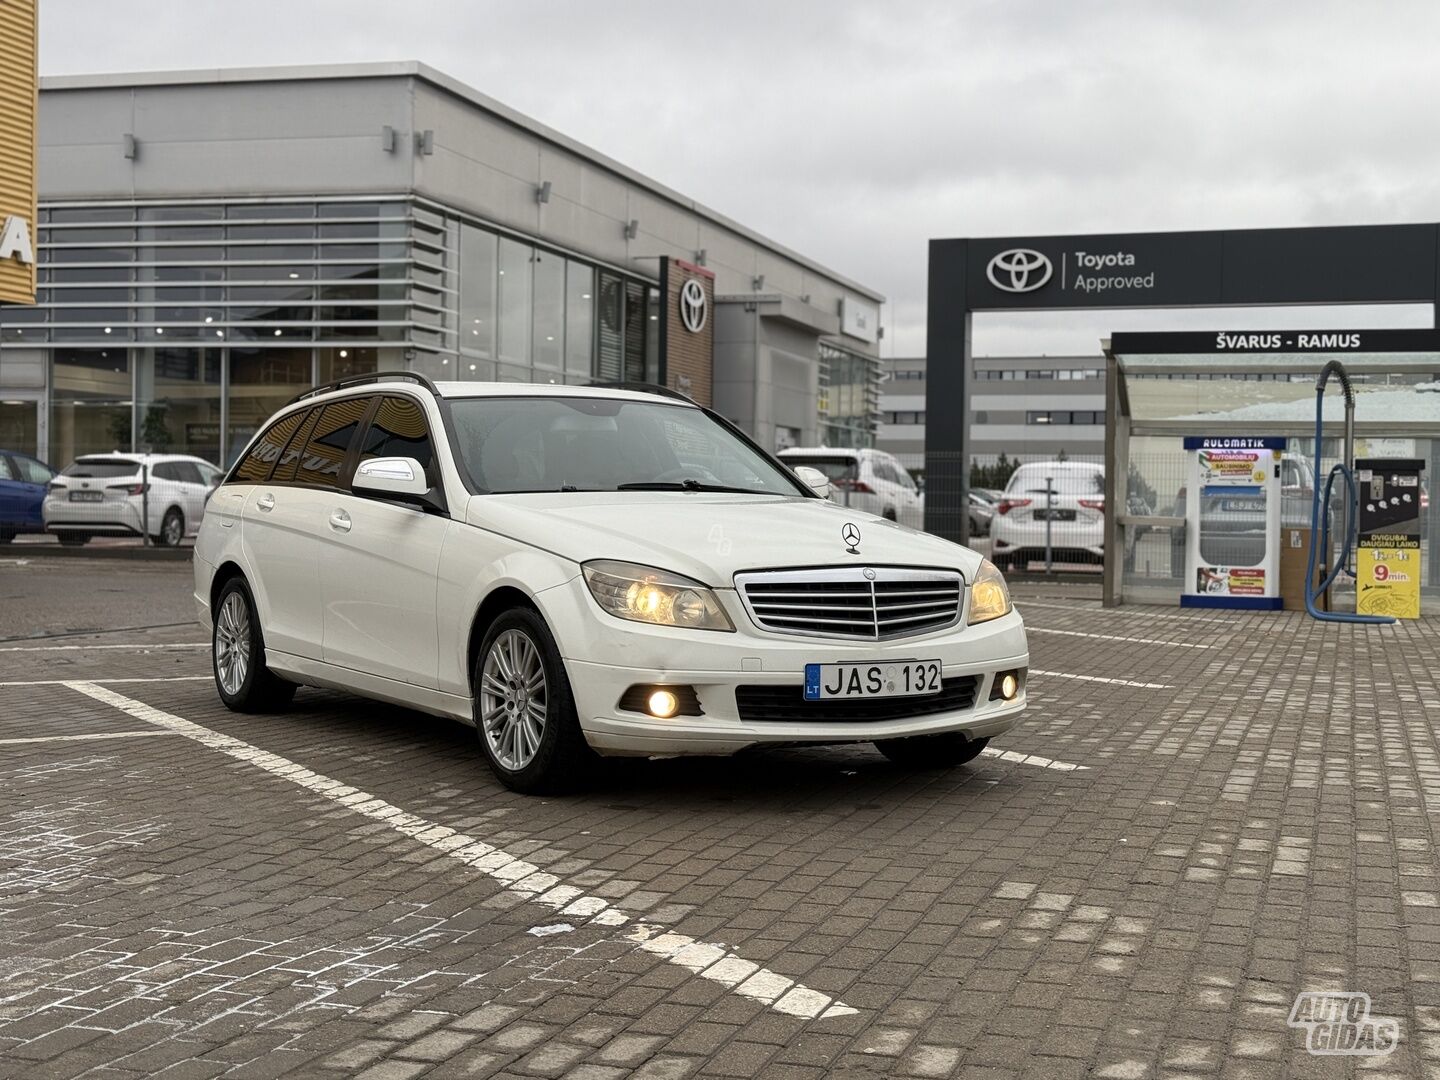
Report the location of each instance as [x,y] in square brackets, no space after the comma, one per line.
[855,131]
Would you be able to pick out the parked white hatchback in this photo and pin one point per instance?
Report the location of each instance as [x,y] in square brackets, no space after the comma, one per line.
[110,495]
[1061,503]
[863,479]
[590,569]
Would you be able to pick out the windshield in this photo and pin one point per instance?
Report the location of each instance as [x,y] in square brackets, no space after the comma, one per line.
[513,444]
[102,468]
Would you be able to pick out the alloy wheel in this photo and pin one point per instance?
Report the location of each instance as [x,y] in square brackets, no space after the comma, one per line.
[232,643]
[514,699]
[174,530]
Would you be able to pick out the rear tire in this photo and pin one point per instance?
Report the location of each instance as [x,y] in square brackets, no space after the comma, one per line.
[524,709]
[237,655]
[889,515]
[70,539]
[941,751]
[6,537]
[172,528]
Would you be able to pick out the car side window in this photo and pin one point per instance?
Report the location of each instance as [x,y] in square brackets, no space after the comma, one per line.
[187,472]
[289,462]
[8,468]
[398,429]
[33,472]
[329,443]
[165,470]
[256,465]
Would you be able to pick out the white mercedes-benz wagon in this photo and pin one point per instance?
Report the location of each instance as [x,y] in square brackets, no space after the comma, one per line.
[590,570]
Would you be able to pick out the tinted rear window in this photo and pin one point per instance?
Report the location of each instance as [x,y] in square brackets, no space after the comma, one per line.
[330,442]
[266,451]
[101,468]
[1063,481]
[833,467]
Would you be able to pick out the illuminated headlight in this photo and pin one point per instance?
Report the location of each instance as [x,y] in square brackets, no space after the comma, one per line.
[645,594]
[989,599]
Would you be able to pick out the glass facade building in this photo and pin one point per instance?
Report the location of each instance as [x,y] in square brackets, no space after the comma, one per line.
[849,396]
[181,325]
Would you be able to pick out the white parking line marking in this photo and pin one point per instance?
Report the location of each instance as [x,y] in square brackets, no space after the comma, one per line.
[1113,637]
[1092,608]
[1033,759]
[109,682]
[710,961]
[81,648]
[86,737]
[1101,679]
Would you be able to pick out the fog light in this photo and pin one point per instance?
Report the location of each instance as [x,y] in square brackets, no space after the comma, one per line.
[663,703]
[1009,687]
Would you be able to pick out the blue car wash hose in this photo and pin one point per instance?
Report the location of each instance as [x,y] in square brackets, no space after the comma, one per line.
[1320,526]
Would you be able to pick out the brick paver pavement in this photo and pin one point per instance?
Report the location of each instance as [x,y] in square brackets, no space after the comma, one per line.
[1254,819]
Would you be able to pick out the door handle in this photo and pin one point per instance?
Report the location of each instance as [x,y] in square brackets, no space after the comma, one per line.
[340,521]
[266,502]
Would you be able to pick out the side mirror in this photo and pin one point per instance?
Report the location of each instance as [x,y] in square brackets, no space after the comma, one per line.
[399,478]
[814,479]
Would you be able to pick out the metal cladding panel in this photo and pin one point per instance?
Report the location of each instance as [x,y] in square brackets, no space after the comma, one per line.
[18,100]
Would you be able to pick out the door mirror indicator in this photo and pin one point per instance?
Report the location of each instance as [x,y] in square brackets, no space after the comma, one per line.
[400,478]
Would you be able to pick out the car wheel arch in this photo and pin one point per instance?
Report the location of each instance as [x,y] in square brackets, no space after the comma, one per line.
[496,603]
[223,575]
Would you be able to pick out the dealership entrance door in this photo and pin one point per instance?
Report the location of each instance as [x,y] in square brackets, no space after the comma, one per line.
[22,423]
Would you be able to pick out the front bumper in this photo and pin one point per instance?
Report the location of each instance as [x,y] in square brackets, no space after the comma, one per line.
[606,656]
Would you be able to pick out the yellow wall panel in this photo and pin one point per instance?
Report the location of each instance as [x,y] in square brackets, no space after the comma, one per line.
[19,34]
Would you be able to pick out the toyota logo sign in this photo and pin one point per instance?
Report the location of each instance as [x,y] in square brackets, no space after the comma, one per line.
[1019,270]
[692,306]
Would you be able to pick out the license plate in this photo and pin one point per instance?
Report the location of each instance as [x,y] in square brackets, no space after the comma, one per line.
[1242,506]
[87,496]
[896,678]
[1054,515]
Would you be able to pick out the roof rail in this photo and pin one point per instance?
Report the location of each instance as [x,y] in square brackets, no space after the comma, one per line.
[360,380]
[644,388]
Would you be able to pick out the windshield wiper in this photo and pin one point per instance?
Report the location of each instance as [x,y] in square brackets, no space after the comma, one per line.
[687,485]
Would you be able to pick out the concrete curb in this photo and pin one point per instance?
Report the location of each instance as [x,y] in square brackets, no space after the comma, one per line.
[124,554]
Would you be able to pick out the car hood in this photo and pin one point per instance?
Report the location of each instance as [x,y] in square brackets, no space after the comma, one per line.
[708,536]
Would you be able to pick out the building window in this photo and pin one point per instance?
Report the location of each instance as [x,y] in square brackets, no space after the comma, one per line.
[515,298]
[549,322]
[1063,416]
[849,397]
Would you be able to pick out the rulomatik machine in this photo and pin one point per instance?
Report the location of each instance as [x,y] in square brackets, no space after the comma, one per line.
[1232,526]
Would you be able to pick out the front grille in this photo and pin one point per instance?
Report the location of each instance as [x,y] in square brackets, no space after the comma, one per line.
[873,603]
[787,704]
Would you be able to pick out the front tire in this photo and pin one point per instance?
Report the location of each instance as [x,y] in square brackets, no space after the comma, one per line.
[524,709]
[6,536]
[941,751]
[237,655]
[71,539]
